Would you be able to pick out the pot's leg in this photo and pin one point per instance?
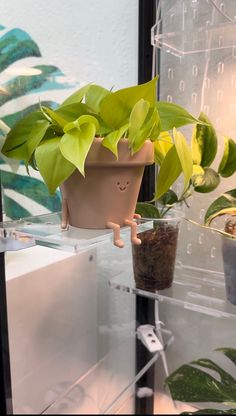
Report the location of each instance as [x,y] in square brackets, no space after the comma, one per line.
[116,234]
[134,239]
[64,215]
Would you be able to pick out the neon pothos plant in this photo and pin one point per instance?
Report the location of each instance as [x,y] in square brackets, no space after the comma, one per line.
[192,383]
[56,142]
[174,157]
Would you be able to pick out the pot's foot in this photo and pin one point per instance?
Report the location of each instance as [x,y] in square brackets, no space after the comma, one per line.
[64,215]
[116,234]
[133,225]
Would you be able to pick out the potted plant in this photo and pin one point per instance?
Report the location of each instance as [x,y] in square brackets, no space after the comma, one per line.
[192,383]
[94,146]
[154,259]
[226,205]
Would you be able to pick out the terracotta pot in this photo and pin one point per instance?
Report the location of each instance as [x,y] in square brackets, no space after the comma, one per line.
[110,188]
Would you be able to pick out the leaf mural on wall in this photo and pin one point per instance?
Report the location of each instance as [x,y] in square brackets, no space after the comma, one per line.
[17,45]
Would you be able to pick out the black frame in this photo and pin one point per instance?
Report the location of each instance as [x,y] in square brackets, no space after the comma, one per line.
[6,406]
[145,308]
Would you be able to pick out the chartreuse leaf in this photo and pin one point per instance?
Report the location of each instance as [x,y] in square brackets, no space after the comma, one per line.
[35,137]
[94,96]
[84,119]
[185,157]
[76,142]
[15,143]
[116,107]
[77,96]
[147,210]
[228,162]
[53,116]
[225,204]
[206,182]
[169,171]
[72,111]
[204,142]
[53,167]
[162,146]
[149,130]
[112,139]
[173,115]
[137,118]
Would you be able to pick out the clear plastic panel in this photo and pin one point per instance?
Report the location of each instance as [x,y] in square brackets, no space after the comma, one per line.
[214,27]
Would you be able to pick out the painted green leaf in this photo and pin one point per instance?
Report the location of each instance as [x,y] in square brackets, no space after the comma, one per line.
[15,45]
[185,157]
[225,204]
[94,96]
[31,187]
[112,139]
[53,167]
[173,115]
[206,182]
[116,107]
[137,118]
[162,146]
[228,162]
[147,210]
[76,143]
[167,176]
[18,136]
[77,96]
[22,85]
[204,142]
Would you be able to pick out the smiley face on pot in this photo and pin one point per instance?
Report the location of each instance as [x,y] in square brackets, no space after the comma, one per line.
[122,185]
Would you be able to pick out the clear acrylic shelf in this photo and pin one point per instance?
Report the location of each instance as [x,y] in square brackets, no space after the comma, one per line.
[11,240]
[196,289]
[46,231]
[192,26]
[97,391]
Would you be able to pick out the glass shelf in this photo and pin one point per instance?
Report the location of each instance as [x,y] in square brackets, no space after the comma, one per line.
[97,391]
[199,290]
[46,231]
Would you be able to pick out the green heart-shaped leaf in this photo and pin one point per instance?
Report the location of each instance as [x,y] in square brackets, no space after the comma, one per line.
[206,182]
[173,115]
[225,204]
[166,176]
[53,167]
[228,162]
[76,143]
[204,142]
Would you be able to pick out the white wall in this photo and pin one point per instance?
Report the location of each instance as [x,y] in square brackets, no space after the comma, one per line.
[91,41]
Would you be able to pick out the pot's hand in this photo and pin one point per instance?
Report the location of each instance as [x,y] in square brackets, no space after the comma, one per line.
[64,215]
[133,225]
[116,234]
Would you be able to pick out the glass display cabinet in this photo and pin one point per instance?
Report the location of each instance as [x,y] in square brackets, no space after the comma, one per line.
[77,336]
